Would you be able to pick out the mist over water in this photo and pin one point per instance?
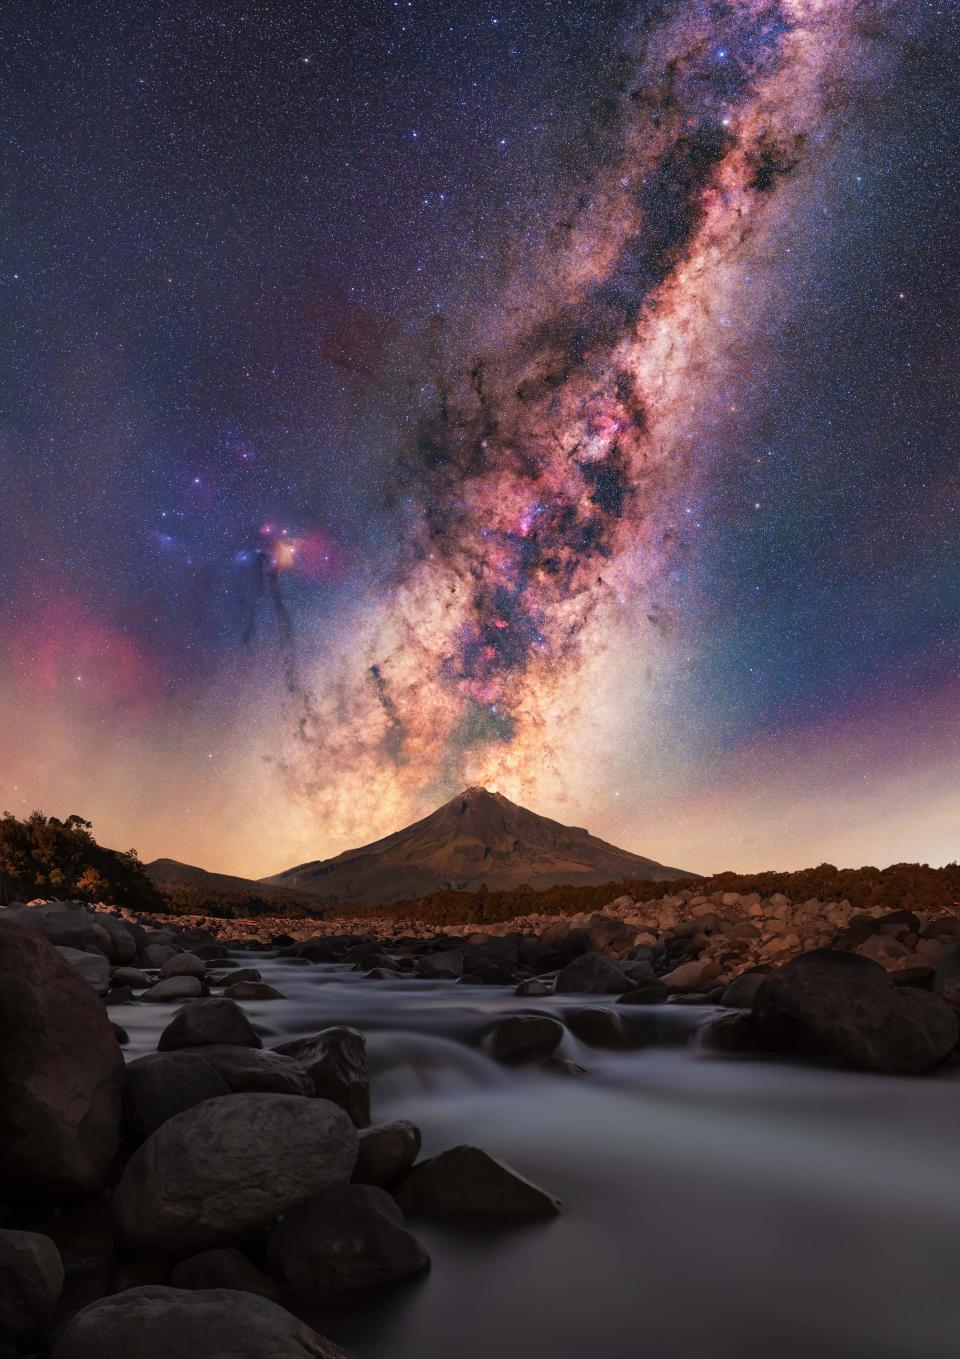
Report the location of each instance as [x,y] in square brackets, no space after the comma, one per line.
[714,1206]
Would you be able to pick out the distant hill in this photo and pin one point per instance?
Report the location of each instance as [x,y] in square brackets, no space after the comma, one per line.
[476,840]
[191,889]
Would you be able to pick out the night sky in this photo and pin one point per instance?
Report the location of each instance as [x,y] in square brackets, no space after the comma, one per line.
[560,395]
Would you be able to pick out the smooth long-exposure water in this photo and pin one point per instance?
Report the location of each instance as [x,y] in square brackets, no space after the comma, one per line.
[714,1206]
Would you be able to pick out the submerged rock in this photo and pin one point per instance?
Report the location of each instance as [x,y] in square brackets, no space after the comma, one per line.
[525,1038]
[216,1020]
[600,1028]
[467,1182]
[335,1059]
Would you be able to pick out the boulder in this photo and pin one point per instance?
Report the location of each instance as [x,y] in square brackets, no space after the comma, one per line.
[446,965]
[64,923]
[347,1241]
[183,965]
[946,978]
[533,986]
[739,994]
[163,1084]
[173,989]
[599,1028]
[130,976]
[61,1070]
[647,993]
[592,974]
[525,1038]
[92,967]
[224,1268]
[386,1153]
[844,1009]
[608,934]
[244,974]
[691,976]
[216,1020]
[155,955]
[247,990]
[468,1183]
[31,1280]
[159,1323]
[230,1166]
[336,1061]
[250,1069]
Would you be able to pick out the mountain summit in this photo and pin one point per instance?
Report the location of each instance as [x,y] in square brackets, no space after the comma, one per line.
[476,839]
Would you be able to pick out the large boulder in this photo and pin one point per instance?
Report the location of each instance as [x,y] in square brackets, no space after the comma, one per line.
[61,1070]
[64,923]
[467,1182]
[600,1027]
[92,967]
[525,1038]
[172,989]
[158,1323]
[844,1009]
[447,965]
[592,974]
[223,1268]
[386,1153]
[163,1084]
[183,965]
[31,1280]
[230,1166]
[203,1022]
[250,1069]
[347,1241]
[336,1061]
[946,978]
[247,990]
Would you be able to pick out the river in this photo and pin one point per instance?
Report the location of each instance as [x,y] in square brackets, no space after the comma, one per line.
[723,1207]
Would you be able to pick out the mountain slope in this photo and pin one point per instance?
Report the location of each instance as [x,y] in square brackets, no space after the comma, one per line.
[477,838]
[171,873]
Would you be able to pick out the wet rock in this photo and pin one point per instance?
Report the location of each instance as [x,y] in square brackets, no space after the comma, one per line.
[243,974]
[946,979]
[467,1182]
[594,974]
[386,1153]
[245,990]
[913,976]
[162,1084]
[740,993]
[525,1038]
[31,1280]
[156,1322]
[173,989]
[844,1009]
[64,924]
[155,955]
[92,967]
[446,965]
[217,1020]
[691,976]
[61,1071]
[533,986]
[599,1027]
[223,1268]
[130,976]
[230,1166]
[183,965]
[336,1061]
[731,1033]
[345,1242]
[249,1069]
[648,993]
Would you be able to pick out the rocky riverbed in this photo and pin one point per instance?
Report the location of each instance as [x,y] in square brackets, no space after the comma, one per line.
[260,1145]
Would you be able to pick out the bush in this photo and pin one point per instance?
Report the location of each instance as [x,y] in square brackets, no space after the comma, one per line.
[42,856]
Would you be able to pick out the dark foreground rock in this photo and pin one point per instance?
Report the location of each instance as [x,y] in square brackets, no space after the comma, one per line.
[162,1084]
[336,1061]
[592,974]
[216,1020]
[345,1242]
[525,1038]
[250,1069]
[61,1071]
[386,1153]
[160,1323]
[230,1166]
[224,1268]
[600,1027]
[467,1182]
[31,1280]
[843,1009]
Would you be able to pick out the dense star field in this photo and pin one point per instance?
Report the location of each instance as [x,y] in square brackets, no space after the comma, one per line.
[554,396]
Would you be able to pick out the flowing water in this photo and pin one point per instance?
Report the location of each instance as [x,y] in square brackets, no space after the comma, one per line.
[714,1206]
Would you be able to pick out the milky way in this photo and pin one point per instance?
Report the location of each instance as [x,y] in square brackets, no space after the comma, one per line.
[543,493]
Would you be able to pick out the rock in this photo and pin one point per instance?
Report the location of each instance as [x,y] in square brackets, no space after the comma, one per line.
[913,976]
[163,1084]
[386,1153]
[447,965]
[467,1182]
[130,976]
[608,934]
[844,1009]
[183,965]
[63,923]
[593,974]
[92,967]
[160,1323]
[217,1020]
[246,990]
[230,1166]
[212,952]
[336,1061]
[649,993]
[946,978]
[740,993]
[346,1241]
[730,1033]
[600,1028]
[743,929]
[533,986]
[244,974]
[249,1069]
[174,989]
[525,1038]
[155,955]
[31,1280]
[61,1071]
[562,1066]
[224,1268]
[691,976]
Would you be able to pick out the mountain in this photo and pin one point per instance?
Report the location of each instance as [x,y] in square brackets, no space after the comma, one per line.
[476,839]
